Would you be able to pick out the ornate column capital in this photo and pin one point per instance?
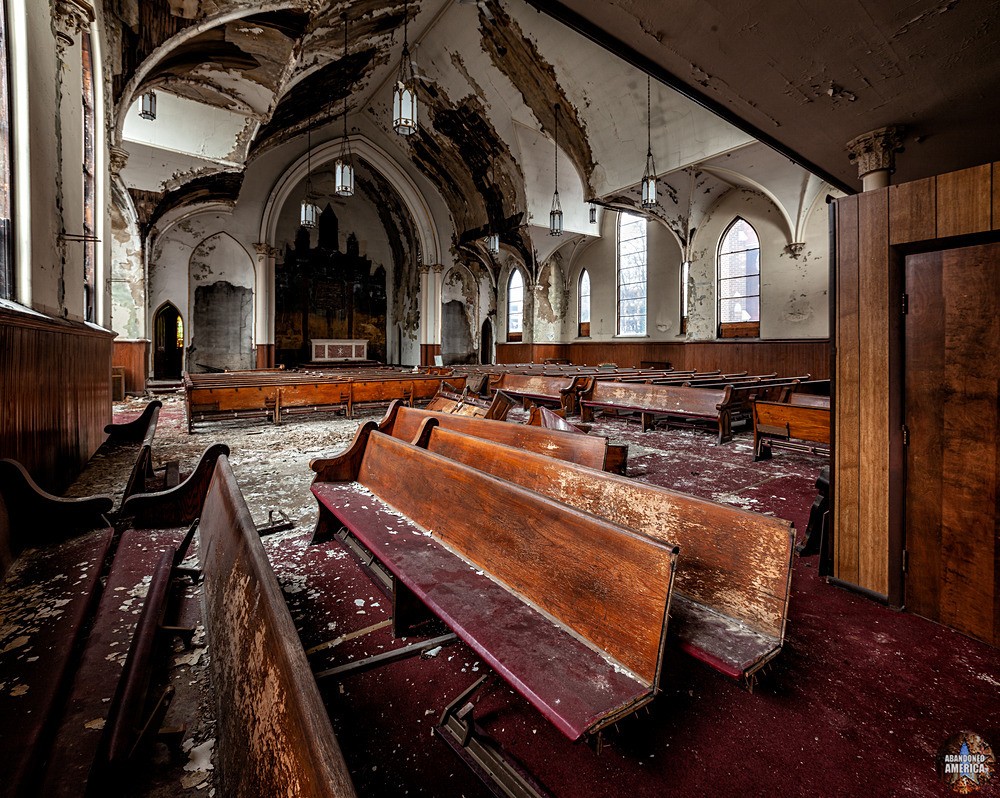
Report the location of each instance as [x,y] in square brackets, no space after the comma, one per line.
[438,268]
[423,269]
[876,150]
[263,248]
[71,17]
[118,159]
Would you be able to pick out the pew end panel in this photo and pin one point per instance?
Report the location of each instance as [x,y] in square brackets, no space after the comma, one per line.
[275,736]
[138,428]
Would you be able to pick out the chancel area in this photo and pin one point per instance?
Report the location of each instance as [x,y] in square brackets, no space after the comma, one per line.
[498,397]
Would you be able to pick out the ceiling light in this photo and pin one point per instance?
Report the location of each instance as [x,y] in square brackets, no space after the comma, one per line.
[649,176]
[343,172]
[148,108]
[593,213]
[556,214]
[308,211]
[404,95]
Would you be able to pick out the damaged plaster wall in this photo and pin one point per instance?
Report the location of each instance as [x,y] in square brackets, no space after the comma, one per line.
[793,300]
[221,284]
[128,274]
[550,301]
[460,317]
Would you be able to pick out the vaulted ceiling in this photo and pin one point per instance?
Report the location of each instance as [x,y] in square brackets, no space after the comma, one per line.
[237,80]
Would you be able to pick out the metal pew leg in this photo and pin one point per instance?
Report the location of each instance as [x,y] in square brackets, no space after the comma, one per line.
[502,775]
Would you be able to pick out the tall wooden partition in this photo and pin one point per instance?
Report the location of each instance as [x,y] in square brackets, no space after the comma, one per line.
[876,233]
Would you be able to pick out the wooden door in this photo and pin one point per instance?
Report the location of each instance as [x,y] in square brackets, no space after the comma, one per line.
[952,375]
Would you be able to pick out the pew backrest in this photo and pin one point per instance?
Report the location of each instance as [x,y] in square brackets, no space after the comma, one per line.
[274,732]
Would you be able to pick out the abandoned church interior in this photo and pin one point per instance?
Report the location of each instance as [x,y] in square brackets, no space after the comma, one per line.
[520,398]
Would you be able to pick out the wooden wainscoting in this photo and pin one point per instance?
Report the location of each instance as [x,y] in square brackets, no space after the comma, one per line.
[133,356]
[427,353]
[55,394]
[265,356]
[787,357]
[876,234]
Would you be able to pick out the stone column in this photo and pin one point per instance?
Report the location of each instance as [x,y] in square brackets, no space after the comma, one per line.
[874,153]
[263,304]
[425,304]
[438,278]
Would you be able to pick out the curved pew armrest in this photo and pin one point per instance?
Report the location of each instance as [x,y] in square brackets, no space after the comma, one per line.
[176,506]
[30,506]
[134,430]
[344,467]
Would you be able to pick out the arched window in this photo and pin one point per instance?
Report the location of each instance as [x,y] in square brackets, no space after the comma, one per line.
[583,305]
[515,306]
[631,274]
[739,282]
[89,178]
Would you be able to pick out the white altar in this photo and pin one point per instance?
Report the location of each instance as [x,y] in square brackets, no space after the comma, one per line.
[326,350]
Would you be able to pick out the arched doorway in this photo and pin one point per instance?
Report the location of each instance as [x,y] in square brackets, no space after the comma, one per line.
[486,343]
[168,343]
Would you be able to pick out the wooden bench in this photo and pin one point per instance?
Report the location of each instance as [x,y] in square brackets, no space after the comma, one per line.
[467,404]
[535,389]
[150,526]
[590,450]
[801,427]
[138,428]
[274,733]
[676,404]
[730,604]
[52,553]
[569,609]
[616,458]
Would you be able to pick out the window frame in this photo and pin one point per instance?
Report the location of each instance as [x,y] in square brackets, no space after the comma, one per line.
[746,328]
[583,326]
[640,222]
[515,336]
[8,287]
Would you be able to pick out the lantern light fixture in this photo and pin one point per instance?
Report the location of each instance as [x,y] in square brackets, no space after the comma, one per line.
[147,108]
[343,172]
[493,237]
[649,176]
[556,214]
[309,211]
[404,94]
[593,213]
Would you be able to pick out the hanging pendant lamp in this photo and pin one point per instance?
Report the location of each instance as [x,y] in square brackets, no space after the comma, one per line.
[343,170]
[404,95]
[493,239]
[556,214]
[649,176]
[309,211]
[148,106]
[593,213]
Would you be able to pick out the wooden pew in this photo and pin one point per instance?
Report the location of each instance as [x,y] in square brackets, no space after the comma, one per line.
[590,450]
[535,389]
[733,584]
[467,404]
[676,404]
[274,733]
[616,459]
[52,553]
[138,428]
[521,579]
[798,426]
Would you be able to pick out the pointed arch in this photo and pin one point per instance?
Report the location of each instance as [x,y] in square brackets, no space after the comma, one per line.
[583,303]
[515,305]
[739,281]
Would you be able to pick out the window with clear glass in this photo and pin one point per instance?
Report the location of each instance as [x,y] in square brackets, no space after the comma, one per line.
[515,306]
[631,274]
[89,179]
[584,304]
[685,276]
[739,281]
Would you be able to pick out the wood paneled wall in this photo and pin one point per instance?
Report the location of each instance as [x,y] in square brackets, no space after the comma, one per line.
[132,356]
[787,357]
[875,231]
[55,394]
[427,353]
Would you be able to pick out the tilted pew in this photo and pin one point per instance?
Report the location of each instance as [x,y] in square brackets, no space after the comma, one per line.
[798,425]
[591,450]
[535,389]
[733,582]
[676,404]
[467,404]
[52,552]
[569,609]
[274,732]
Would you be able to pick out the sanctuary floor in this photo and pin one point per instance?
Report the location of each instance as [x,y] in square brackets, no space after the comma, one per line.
[858,703]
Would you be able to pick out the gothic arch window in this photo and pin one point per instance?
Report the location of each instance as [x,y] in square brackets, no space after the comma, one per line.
[631,274]
[515,306]
[583,305]
[739,281]
[89,178]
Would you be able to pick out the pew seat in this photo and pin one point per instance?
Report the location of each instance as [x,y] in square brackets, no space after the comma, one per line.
[569,609]
[801,424]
